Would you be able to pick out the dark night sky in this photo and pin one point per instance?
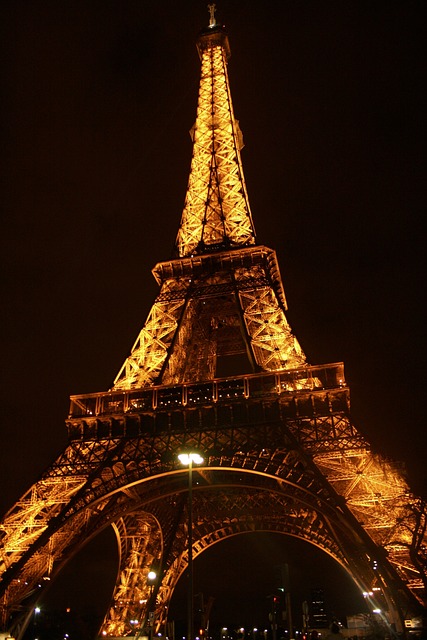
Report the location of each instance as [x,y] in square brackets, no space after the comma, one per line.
[98,99]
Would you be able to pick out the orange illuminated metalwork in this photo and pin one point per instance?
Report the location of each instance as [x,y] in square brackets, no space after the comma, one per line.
[216,212]
[216,368]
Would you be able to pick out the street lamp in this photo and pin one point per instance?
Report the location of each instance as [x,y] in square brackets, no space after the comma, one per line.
[151,579]
[187,459]
[149,616]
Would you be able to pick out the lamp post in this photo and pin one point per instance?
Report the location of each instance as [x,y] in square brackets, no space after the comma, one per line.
[149,616]
[151,579]
[187,459]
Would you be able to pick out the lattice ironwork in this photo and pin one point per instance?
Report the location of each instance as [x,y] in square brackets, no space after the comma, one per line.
[214,306]
[150,350]
[251,454]
[281,451]
[216,212]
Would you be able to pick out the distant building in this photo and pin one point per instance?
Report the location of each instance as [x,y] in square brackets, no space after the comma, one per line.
[318,617]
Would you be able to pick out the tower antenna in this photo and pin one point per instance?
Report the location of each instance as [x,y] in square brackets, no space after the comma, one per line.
[212,21]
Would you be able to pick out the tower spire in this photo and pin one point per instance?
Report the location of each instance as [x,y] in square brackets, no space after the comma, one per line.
[216,213]
[221,305]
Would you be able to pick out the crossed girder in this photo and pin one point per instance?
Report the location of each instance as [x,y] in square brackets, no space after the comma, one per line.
[212,306]
[281,452]
[221,512]
[248,465]
[216,211]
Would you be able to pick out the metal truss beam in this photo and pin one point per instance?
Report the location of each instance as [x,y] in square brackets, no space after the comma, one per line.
[127,475]
[281,452]
[216,212]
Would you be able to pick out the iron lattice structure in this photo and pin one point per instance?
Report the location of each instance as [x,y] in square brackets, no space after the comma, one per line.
[217,368]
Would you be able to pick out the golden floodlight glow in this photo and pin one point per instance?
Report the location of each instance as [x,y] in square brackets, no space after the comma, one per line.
[216,206]
[221,302]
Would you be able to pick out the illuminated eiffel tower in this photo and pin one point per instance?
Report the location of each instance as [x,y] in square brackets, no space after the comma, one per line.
[217,368]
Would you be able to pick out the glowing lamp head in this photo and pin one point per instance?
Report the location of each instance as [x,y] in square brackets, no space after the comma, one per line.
[187,458]
[152,575]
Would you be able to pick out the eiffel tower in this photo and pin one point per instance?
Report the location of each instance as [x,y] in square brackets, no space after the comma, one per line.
[215,368]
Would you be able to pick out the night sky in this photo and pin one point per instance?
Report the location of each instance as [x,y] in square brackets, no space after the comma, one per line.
[98,99]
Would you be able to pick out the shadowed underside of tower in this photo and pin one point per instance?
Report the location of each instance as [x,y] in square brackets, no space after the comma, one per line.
[215,367]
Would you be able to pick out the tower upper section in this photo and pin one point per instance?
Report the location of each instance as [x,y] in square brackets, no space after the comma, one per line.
[216,213]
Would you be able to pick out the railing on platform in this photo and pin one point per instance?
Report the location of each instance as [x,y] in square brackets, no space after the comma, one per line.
[257,385]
